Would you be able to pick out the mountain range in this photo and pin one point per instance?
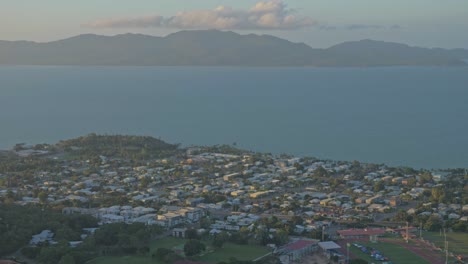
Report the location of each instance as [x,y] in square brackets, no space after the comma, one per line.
[220,48]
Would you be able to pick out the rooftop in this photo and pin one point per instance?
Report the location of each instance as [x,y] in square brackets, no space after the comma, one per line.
[300,244]
[362,232]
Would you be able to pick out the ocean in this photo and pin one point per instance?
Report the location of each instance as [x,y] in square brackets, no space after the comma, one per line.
[401,116]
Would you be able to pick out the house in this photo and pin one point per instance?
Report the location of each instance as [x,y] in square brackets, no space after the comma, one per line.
[169,220]
[44,236]
[231,176]
[395,201]
[360,200]
[192,214]
[179,232]
[257,195]
[112,218]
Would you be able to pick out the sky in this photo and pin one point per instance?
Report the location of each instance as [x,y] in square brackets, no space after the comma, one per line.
[319,23]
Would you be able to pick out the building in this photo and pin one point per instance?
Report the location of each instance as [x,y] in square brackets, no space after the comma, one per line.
[179,232]
[371,233]
[395,201]
[295,251]
[169,220]
[44,236]
[330,249]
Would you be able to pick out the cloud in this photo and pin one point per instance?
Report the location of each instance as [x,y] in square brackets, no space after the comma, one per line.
[272,14]
[141,22]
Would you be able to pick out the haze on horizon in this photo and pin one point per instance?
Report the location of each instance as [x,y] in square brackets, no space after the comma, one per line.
[319,23]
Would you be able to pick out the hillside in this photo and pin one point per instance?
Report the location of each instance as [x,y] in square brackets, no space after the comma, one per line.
[218,48]
[128,147]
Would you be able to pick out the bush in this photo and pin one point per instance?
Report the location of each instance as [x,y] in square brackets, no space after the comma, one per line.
[31,252]
[161,253]
[193,247]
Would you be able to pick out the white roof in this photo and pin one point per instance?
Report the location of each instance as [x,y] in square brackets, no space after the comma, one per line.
[328,245]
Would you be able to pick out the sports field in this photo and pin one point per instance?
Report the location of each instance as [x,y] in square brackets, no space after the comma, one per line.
[229,250]
[458,242]
[395,253]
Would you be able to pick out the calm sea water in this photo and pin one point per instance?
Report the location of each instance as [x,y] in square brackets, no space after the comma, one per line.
[400,116]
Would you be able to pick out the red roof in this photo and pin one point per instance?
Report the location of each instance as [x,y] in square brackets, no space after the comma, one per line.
[362,232]
[410,229]
[300,244]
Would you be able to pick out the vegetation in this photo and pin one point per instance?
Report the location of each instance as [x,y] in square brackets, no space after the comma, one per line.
[124,239]
[358,261]
[169,250]
[230,251]
[19,223]
[127,147]
[193,247]
[165,255]
[224,48]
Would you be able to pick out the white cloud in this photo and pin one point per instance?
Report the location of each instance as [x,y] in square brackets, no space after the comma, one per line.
[272,14]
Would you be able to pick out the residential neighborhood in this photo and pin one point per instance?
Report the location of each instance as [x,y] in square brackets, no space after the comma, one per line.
[290,204]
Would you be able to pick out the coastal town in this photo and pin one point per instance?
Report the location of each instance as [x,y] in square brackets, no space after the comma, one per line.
[300,209]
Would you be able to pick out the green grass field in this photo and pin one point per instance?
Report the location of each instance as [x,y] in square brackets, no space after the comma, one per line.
[229,250]
[168,242]
[395,253]
[240,252]
[122,260]
[458,242]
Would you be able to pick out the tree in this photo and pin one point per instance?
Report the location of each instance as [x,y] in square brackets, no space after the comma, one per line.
[53,254]
[379,186]
[205,222]
[434,223]
[191,234]
[67,259]
[161,253]
[425,177]
[193,247]
[320,172]
[43,197]
[437,194]
[220,239]
[281,237]
[297,220]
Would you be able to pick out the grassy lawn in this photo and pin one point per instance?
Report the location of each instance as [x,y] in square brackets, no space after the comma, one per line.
[395,253]
[122,260]
[357,252]
[457,241]
[240,252]
[168,242]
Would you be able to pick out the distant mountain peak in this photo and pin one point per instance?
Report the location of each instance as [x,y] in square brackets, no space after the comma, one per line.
[218,48]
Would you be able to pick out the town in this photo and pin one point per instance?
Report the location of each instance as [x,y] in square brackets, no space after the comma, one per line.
[286,209]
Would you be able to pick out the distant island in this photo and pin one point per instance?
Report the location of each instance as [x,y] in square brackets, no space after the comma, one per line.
[220,48]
